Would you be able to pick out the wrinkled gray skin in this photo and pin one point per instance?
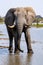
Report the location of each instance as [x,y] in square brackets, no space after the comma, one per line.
[21,26]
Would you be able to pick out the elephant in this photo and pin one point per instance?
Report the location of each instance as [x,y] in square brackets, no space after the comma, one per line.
[23,19]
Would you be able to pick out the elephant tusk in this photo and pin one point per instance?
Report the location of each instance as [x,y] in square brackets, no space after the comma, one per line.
[11,26]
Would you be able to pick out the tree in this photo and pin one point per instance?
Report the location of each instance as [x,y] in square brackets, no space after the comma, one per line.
[38,18]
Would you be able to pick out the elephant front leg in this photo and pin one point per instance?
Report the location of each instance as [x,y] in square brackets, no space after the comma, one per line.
[10,42]
[28,41]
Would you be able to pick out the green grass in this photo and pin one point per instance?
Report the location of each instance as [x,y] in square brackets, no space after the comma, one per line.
[1,34]
[39,25]
[2,22]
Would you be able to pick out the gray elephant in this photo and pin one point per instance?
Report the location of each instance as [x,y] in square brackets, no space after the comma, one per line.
[20,18]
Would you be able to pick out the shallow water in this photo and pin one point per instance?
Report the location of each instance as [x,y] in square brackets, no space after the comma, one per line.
[22,58]
[36,35]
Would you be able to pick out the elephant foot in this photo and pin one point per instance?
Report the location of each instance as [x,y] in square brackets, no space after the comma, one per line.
[10,49]
[30,51]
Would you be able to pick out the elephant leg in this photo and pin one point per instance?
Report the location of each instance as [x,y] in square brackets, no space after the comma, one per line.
[10,41]
[10,44]
[28,41]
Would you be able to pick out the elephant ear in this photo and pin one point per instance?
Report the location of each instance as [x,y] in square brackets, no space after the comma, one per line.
[32,15]
[30,18]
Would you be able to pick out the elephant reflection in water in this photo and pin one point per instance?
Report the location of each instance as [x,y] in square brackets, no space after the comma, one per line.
[19,20]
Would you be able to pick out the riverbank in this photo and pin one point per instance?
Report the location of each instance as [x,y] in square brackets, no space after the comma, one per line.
[37,25]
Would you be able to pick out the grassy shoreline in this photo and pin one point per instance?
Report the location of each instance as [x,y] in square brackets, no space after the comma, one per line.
[2,22]
[37,25]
